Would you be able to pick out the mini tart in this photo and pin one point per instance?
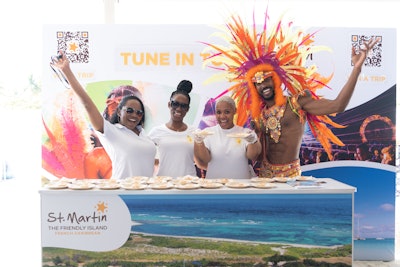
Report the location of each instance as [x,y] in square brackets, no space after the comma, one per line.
[237,184]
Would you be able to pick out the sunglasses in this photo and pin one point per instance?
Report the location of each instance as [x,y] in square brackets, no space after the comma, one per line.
[176,104]
[131,110]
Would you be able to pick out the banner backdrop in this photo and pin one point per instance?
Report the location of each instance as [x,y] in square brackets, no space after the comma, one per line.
[155,58]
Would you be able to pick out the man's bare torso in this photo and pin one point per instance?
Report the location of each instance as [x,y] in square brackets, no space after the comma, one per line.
[287,149]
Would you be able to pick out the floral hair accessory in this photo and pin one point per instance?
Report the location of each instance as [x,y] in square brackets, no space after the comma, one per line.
[260,76]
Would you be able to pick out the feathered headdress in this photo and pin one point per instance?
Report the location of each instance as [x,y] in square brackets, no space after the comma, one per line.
[279,51]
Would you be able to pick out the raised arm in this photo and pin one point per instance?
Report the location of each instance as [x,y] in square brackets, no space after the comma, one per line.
[339,104]
[94,114]
[253,149]
[202,155]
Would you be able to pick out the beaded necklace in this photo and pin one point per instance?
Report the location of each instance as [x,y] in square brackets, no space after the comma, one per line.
[271,118]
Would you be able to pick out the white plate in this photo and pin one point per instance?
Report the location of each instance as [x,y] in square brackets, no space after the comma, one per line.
[238,135]
[186,179]
[57,185]
[211,185]
[159,179]
[162,186]
[264,185]
[205,133]
[108,186]
[135,179]
[238,185]
[187,186]
[81,186]
[134,186]
[102,181]
[261,180]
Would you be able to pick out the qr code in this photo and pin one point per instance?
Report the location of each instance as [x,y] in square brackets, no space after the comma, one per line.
[374,58]
[75,45]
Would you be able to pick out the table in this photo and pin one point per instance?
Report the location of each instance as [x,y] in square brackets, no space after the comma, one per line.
[104,221]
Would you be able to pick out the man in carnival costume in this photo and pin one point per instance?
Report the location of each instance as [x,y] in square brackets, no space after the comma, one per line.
[276,92]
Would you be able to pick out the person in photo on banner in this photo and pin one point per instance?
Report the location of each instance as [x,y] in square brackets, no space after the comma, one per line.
[275,90]
[224,150]
[174,139]
[131,151]
[97,163]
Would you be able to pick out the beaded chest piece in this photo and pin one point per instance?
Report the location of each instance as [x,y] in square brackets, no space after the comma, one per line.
[272,120]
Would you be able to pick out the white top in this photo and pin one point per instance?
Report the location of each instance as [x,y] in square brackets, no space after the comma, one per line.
[228,154]
[130,154]
[175,151]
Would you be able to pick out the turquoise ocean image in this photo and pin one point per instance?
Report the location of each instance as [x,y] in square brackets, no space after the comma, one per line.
[314,220]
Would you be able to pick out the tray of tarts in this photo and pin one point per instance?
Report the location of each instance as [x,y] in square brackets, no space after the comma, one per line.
[166,182]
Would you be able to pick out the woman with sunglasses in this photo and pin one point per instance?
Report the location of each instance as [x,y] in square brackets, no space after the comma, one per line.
[123,137]
[97,163]
[174,139]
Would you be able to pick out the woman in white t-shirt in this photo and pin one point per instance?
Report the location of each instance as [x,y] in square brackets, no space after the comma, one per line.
[174,139]
[130,149]
[225,149]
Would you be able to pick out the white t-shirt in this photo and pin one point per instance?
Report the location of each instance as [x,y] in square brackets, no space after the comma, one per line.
[228,154]
[175,151]
[130,154]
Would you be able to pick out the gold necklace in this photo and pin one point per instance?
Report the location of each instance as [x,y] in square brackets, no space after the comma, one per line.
[272,121]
